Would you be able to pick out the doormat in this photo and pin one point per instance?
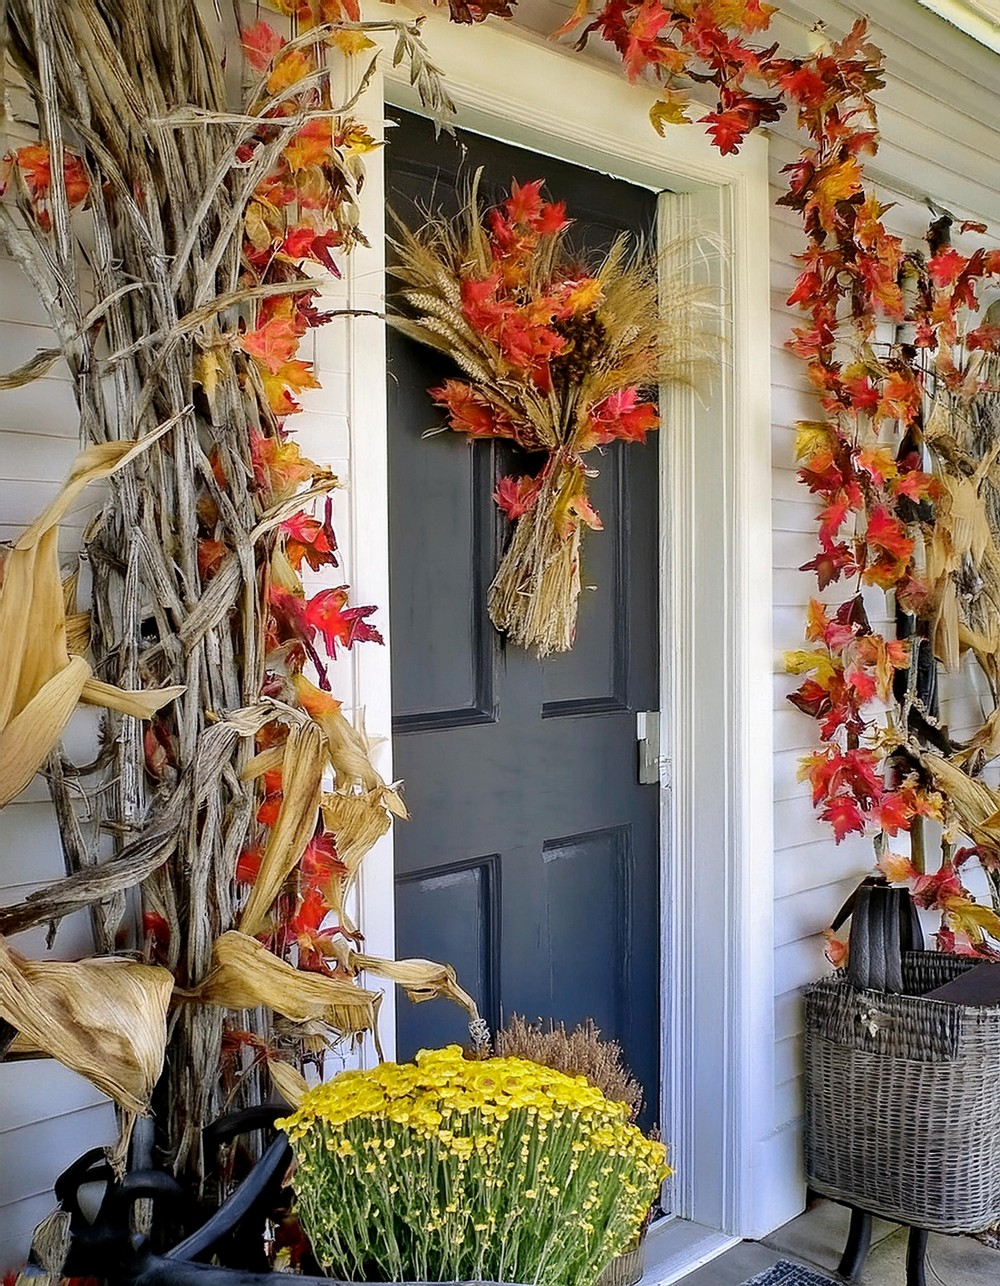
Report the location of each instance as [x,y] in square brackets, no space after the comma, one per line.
[787,1274]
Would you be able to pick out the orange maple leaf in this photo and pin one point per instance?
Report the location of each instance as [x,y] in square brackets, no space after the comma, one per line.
[279,466]
[35,163]
[280,385]
[290,69]
[273,343]
[312,145]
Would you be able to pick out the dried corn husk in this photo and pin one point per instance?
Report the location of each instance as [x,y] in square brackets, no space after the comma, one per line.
[245,974]
[975,805]
[420,979]
[104,1018]
[288,1081]
[348,747]
[358,821]
[40,682]
[302,766]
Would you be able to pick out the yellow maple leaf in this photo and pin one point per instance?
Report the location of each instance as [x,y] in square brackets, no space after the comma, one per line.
[971,918]
[812,437]
[207,367]
[585,295]
[290,69]
[351,42]
[353,139]
[669,109]
[280,385]
[837,182]
[801,661]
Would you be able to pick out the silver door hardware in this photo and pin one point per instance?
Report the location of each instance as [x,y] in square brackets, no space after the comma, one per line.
[654,768]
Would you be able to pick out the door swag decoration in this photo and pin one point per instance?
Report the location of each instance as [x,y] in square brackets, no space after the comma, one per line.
[559,358]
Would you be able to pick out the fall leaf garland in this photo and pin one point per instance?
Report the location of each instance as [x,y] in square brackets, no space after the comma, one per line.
[916,533]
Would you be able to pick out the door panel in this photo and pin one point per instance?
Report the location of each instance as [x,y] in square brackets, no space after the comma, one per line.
[531,862]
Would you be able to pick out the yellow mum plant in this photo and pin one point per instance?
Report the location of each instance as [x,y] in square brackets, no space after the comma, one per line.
[446,1169]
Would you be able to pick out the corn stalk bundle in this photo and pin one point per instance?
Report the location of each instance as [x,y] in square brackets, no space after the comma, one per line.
[144,221]
[557,357]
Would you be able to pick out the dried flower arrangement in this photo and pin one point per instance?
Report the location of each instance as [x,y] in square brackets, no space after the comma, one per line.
[560,359]
[462,1170]
[172,243]
[580,1052]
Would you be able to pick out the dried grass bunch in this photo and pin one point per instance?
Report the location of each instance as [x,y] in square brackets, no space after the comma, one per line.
[560,357]
[580,1052]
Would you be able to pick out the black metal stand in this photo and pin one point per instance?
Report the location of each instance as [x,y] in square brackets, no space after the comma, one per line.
[916,1252]
[859,1240]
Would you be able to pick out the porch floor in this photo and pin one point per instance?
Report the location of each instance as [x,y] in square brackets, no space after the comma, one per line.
[817,1237]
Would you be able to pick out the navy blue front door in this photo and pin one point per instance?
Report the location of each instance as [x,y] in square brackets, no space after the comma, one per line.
[531,862]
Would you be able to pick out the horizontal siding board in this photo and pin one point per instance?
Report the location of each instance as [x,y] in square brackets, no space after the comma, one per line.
[18,1221]
[31,1088]
[798,914]
[820,863]
[39,1152]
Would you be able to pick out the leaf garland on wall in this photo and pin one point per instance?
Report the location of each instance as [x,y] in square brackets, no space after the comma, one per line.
[918,519]
[559,358]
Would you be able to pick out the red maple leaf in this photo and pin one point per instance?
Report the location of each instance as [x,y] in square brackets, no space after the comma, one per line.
[248,864]
[946,267]
[480,306]
[805,85]
[811,698]
[622,415]
[524,205]
[305,243]
[328,613]
[728,129]
[830,564]
[985,337]
[888,533]
[844,815]
[320,863]
[267,813]
[516,496]
[260,43]
[470,412]
[831,519]
[309,538]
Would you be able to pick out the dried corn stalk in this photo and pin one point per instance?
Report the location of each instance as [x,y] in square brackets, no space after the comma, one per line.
[129,219]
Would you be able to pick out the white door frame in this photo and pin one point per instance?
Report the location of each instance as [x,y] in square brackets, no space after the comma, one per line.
[718,1020]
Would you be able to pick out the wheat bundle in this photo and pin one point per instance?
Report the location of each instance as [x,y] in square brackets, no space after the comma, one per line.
[557,358]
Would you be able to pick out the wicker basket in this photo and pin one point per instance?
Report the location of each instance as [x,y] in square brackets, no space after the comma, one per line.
[626,1269]
[903,1100]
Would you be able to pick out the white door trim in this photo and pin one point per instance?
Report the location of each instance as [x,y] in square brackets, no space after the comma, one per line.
[716,560]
